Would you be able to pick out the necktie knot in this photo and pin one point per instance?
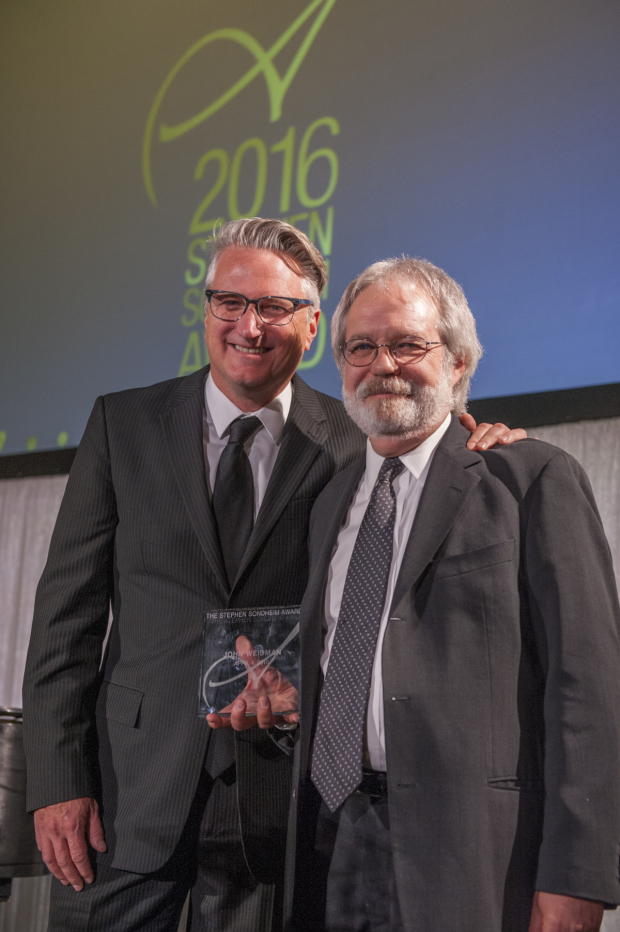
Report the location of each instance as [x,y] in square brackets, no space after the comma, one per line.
[242,429]
[390,468]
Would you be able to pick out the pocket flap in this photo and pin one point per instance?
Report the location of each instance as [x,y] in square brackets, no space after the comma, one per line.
[298,509]
[519,784]
[461,563]
[119,703]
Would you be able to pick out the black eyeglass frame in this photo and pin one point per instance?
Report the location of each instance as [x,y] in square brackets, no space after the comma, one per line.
[297,302]
[377,346]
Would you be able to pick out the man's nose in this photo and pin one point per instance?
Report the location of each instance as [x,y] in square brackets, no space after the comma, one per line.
[384,363]
[250,325]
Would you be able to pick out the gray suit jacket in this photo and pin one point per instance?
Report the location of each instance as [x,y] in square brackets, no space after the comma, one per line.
[136,529]
[501,677]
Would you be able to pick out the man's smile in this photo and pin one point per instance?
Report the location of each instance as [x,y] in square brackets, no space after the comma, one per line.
[252,350]
[252,361]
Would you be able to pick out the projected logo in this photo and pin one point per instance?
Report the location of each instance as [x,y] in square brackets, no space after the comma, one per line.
[303,167]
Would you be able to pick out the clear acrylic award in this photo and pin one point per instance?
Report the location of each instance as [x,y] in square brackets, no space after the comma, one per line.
[249,653]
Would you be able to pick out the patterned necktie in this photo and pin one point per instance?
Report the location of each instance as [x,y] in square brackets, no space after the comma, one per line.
[233,495]
[337,754]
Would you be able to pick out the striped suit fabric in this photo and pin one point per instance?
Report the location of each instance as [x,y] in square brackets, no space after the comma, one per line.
[136,529]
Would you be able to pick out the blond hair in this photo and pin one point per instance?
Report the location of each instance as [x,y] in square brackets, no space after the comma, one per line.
[294,247]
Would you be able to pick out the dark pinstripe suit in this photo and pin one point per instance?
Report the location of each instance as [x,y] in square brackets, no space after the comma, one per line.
[136,527]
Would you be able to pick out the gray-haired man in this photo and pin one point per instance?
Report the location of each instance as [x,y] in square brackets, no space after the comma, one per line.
[458,763]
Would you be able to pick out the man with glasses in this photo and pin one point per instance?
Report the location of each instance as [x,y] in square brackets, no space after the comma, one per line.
[458,762]
[190,495]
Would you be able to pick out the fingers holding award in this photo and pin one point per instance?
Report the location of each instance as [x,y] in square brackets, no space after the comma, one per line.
[250,667]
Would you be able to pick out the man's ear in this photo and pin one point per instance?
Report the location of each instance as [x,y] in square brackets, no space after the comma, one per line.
[313,326]
[458,370]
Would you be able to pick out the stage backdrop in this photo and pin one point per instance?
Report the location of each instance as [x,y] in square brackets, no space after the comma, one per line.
[481,135]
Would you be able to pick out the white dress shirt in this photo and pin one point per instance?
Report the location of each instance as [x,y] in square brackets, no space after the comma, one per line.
[262,448]
[408,488]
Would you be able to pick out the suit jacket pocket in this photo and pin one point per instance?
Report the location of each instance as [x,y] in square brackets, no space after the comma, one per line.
[460,563]
[298,509]
[119,703]
[520,784]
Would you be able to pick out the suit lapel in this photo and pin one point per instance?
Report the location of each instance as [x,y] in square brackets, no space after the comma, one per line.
[326,536]
[339,507]
[311,633]
[303,438]
[447,486]
[182,424]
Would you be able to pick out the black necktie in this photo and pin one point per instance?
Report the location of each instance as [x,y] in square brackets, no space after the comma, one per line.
[337,754]
[233,495]
[233,504]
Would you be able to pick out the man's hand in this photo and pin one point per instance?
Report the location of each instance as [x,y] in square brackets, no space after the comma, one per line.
[554,913]
[240,720]
[485,436]
[62,831]
[265,684]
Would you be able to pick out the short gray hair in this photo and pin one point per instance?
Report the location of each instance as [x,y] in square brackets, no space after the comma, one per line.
[457,326]
[294,247]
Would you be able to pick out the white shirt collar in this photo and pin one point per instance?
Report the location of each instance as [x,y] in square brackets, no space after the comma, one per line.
[416,460]
[223,411]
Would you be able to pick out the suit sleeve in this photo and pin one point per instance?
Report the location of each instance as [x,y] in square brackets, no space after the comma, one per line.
[574,610]
[69,627]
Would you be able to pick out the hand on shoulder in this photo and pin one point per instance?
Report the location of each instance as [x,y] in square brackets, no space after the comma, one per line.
[484,436]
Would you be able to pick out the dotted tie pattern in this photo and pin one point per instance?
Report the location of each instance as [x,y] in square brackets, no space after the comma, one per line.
[337,753]
[233,495]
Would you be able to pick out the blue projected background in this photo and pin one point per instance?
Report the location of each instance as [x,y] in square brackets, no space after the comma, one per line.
[483,136]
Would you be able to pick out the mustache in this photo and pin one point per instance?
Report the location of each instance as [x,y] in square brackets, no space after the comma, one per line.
[394,386]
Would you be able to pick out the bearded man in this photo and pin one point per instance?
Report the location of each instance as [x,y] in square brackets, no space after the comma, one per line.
[458,760]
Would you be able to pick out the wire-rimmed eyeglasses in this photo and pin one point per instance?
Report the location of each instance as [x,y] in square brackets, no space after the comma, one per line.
[273,310]
[405,350]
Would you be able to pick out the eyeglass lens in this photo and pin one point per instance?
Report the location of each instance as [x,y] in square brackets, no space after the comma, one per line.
[405,350]
[231,306]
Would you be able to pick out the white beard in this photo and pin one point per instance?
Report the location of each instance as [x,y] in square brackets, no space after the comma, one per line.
[410,410]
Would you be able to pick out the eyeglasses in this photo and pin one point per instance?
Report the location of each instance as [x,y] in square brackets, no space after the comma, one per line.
[404,350]
[228,305]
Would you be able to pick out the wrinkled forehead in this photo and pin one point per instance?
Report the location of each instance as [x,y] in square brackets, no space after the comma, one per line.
[395,303]
[249,263]
[406,289]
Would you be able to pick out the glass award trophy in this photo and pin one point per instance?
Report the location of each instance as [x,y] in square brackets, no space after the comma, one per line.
[248,653]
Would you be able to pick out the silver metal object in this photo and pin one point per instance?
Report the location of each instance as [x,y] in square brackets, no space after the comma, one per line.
[19,856]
